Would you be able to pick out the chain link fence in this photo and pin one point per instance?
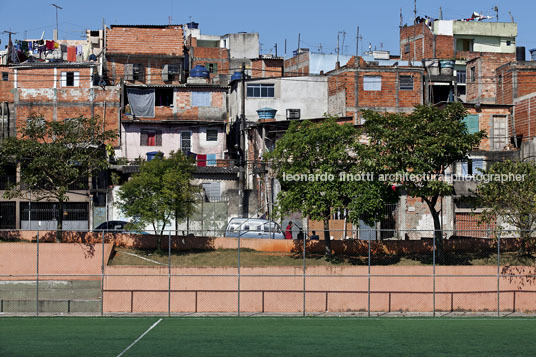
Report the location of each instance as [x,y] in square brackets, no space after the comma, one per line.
[103,273]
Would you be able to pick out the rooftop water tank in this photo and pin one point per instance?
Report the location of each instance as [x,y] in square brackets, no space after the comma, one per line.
[192,25]
[199,72]
[266,113]
[533,54]
[152,154]
[236,76]
[520,53]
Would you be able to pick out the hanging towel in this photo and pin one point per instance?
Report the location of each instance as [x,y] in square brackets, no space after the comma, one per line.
[201,160]
[50,45]
[79,50]
[211,160]
[71,54]
[56,45]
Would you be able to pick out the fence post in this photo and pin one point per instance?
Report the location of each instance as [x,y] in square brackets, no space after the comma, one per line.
[304,267]
[37,278]
[433,272]
[238,272]
[368,291]
[169,274]
[102,276]
[498,274]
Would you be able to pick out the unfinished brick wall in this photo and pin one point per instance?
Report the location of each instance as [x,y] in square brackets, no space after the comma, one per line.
[150,40]
[421,42]
[267,67]
[219,56]
[6,95]
[390,98]
[297,65]
[152,69]
[39,91]
[525,116]
[484,88]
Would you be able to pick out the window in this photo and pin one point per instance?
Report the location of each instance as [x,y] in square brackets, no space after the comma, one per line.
[465,45]
[212,134]
[472,167]
[406,48]
[211,67]
[473,77]
[5,76]
[70,79]
[500,131]
[200,99]
[372,83]
[471,121]
[35,121]
[508,43]
[134,72]
[170,72]
[406,82]
[461,76]
[151,138]
[212,191]
[164,97]
[260,90]
[186,141]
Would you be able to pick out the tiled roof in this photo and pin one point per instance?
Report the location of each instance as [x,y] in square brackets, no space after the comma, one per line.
[145,40]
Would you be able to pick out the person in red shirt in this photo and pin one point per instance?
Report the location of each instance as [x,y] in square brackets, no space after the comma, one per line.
[288,231]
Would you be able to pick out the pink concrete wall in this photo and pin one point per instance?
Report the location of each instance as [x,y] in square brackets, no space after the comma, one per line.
[18,261]
[334,289]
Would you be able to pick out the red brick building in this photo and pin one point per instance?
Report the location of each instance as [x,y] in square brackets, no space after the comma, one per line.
[516,84]
[353,88]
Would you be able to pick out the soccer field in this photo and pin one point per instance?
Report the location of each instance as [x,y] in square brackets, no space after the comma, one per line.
[264,336]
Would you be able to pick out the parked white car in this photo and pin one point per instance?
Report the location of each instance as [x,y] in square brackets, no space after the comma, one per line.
[253,228]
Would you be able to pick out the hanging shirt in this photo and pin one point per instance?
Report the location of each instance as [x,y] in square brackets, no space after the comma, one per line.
[71,54]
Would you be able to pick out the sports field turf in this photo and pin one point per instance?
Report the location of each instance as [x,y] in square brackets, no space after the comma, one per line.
[266,336]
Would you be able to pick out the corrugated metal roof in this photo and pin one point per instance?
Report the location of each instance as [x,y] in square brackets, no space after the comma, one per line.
[147,26]
[54,64]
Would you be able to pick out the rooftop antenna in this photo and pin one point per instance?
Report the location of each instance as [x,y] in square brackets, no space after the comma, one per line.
[511,17]
[169,19]
[357,38]
[496,9]
[401,18]
[338,33]
[61,8]
[440,13]
[343,37]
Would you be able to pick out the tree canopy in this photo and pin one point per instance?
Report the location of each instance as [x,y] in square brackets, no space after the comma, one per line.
[54,156]
[426,142]
[314,162]
[160,192]
[511,201]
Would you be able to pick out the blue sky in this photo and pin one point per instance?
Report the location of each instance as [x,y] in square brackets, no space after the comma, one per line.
[319,22]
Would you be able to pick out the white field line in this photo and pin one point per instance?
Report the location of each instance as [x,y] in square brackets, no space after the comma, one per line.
[147,259]
[139,338]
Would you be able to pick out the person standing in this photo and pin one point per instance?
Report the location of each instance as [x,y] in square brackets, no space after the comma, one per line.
[288,231]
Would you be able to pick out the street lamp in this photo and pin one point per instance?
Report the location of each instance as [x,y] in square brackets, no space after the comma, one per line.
[57,7]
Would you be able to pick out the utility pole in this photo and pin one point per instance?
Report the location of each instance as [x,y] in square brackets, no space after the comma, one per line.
[57,32]
[440,13]
[414,29]
[275,50]
[243,160]
[299,38]
[401,18]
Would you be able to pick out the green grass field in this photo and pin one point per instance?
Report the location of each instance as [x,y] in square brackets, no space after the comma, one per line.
[265,336]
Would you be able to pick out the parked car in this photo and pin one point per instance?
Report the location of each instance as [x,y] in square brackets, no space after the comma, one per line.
[115,226]
[253,228]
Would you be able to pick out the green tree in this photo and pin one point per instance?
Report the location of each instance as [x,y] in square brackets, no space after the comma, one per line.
[512,200]
[161,191]
[55,155]
[322,152]
[426,143]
